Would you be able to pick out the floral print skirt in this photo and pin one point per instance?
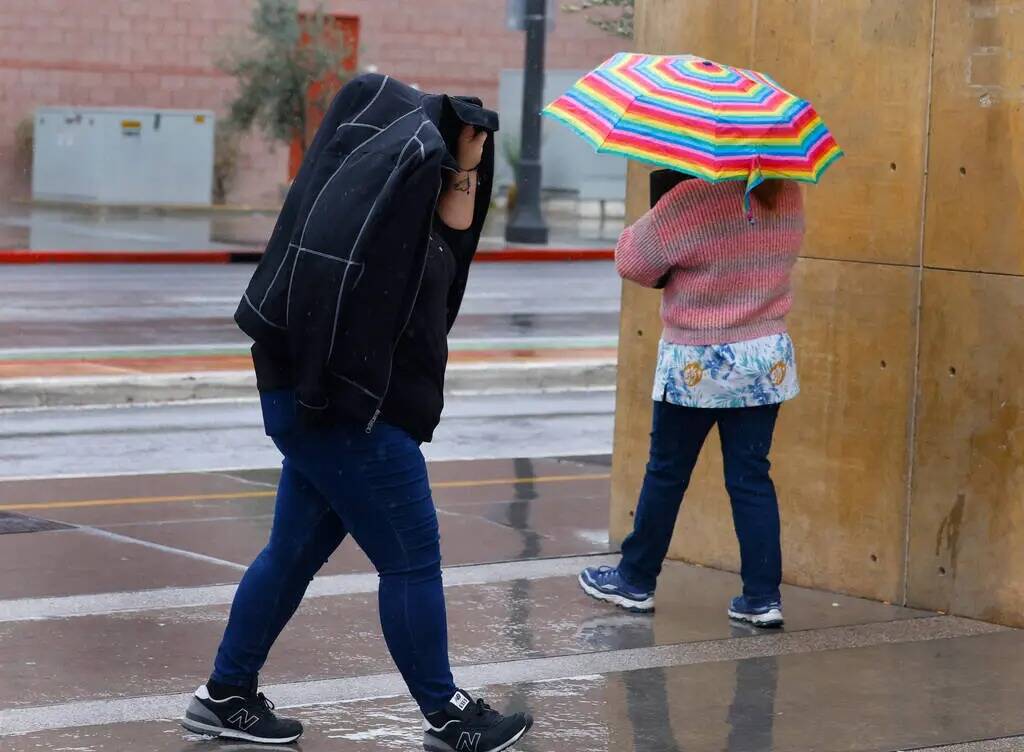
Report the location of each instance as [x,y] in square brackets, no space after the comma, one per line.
[751,373]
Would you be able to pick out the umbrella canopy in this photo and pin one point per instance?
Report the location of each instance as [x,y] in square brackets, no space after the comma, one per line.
[699,117]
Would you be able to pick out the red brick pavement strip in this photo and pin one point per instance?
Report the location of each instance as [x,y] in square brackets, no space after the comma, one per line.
[19,256]
[62,368]
[507,255]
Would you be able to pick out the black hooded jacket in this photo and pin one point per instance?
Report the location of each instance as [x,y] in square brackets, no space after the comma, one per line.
[335,295]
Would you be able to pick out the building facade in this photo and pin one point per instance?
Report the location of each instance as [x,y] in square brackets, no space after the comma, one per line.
[164,53]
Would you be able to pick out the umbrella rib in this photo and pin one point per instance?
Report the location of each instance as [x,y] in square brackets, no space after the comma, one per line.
[687,113]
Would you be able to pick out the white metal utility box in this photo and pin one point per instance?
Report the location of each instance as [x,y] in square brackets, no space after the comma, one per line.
[123,156]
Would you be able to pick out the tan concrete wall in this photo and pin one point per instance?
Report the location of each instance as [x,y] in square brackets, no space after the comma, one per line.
[900,466]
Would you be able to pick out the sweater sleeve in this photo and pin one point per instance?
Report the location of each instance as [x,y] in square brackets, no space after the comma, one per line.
[640,254]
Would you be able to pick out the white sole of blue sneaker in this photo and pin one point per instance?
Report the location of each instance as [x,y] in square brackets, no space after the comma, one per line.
[645,606]
[196,727]
[767,620]
[431,744]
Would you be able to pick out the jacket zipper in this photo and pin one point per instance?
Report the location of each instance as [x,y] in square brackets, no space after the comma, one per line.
[394,347]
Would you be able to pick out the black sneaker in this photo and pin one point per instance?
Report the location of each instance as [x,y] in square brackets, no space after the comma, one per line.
[467,725]
[249,718]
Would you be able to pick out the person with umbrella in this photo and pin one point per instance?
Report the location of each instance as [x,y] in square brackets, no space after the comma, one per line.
[722,248]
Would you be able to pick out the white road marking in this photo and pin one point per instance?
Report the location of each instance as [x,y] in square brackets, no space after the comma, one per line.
[30,609]
[160,547]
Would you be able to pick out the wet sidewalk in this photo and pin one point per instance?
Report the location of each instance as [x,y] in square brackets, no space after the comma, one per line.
[115,592]
[69,234]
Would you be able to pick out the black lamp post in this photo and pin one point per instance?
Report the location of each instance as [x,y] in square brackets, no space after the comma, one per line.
[526,225]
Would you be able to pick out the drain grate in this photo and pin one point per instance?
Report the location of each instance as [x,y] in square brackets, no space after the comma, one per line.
[11,522]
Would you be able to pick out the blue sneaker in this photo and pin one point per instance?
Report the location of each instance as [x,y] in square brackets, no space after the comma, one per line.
[606,584]
[768,615]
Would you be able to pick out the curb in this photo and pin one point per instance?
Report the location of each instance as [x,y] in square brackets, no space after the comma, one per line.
[90,208]
[186,256]
[24,256]
[166,388]
[533,255]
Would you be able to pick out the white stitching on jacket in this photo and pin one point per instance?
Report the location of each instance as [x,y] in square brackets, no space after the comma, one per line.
[305,225]
[326,256]
[245,297]
[356,384]
[359,237]
[354,121]
[287,252]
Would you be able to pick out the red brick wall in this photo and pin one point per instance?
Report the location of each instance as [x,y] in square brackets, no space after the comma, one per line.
[162,53]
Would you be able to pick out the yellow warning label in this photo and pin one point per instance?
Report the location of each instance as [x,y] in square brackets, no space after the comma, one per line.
[200,119]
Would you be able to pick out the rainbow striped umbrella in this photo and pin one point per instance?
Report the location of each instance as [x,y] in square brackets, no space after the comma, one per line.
[699,117]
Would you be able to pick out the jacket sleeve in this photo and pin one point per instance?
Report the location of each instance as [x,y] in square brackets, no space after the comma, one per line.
[640,254]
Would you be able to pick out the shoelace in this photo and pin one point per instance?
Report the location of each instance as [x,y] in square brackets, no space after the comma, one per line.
[482,708]
[265,700]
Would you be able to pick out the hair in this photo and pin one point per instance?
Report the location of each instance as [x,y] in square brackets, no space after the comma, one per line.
[663,181]
[767,193]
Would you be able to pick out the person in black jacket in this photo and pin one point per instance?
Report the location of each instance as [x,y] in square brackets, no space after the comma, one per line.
[350,310]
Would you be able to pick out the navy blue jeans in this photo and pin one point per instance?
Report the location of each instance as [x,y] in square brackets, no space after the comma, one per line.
[335,482]
[676,440]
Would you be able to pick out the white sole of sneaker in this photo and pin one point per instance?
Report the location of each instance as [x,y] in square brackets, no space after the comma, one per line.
[436,745]
[766,620]
[225,733]
[637,607]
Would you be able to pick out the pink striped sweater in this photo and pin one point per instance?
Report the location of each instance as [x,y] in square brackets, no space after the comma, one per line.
[728,279]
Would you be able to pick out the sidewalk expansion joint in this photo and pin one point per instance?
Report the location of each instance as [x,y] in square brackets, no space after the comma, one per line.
[525,671]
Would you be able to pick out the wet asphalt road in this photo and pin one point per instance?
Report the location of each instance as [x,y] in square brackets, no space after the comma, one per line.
[71,308]
[99,305]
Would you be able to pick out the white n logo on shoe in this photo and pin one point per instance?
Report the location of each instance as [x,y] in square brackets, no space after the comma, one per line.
[468,742]
[244,720]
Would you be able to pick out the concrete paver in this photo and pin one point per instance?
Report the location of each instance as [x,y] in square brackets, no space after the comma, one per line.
[107,655]
[840,700]
[94,671]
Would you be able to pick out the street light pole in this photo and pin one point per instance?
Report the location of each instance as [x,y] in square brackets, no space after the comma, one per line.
[526,225]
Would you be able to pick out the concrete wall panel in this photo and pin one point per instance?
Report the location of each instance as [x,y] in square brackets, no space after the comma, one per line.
[967,515]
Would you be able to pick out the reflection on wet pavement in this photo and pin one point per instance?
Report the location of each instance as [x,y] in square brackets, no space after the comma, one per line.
[103,306]
[875,699]
[847,675]
[339,636]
